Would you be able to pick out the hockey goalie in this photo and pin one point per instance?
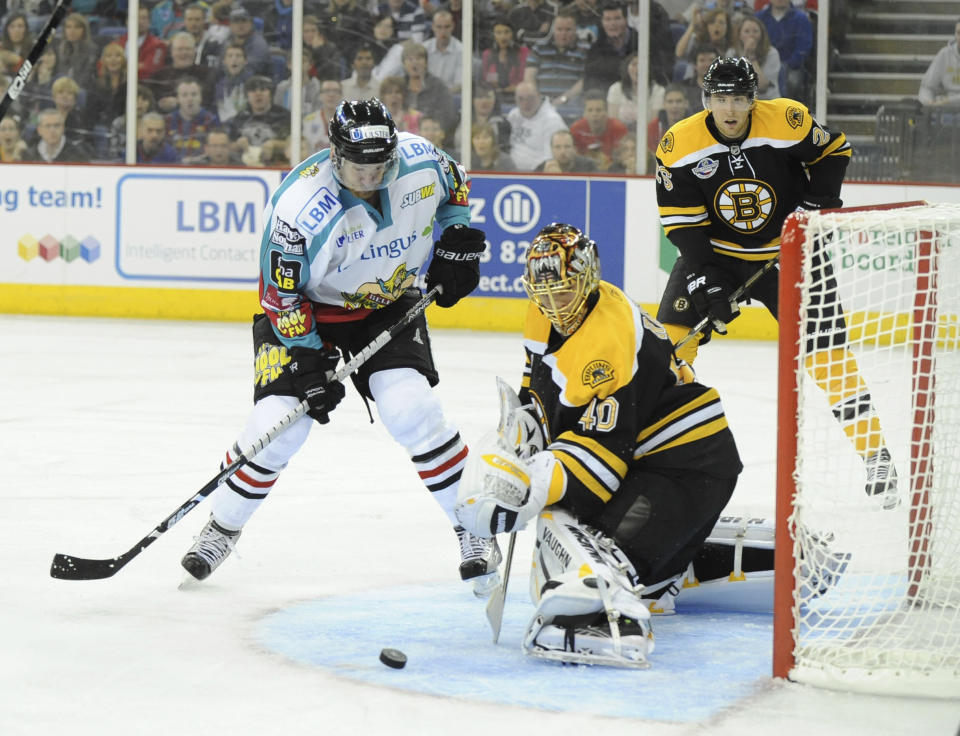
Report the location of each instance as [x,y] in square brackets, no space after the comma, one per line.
[623,460]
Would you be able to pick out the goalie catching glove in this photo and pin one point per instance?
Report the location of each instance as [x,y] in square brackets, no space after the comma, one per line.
[710,296]
[456,263]
[310,372]
[499,491]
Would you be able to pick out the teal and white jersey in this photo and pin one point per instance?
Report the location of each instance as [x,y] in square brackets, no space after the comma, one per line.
[328,256]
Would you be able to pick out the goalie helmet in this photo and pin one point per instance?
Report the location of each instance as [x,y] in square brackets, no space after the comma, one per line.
[363,145]
[730,76]
[562,271]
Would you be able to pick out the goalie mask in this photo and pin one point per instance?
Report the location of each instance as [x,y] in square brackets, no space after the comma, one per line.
[363,145]
[562,271]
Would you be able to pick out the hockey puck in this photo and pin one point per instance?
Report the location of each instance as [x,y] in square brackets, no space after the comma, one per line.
[393,658]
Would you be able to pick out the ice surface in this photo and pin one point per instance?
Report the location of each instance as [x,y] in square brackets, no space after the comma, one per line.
[108,425]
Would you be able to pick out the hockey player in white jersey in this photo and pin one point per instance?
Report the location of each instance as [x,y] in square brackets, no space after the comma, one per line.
[346,236]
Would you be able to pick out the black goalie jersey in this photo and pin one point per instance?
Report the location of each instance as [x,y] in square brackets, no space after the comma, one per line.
[611,398]
[731,198]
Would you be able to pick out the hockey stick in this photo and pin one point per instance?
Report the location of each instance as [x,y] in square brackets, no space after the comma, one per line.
[499,597]
[67,567]
[734,298]
[16,86]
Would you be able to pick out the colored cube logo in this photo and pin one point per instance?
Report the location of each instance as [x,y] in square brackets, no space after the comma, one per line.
[28,247]
[49,248]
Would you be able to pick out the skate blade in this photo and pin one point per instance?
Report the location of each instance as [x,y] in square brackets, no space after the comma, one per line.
[484,585]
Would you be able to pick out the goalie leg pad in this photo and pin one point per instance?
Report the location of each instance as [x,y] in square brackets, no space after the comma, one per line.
[588,607]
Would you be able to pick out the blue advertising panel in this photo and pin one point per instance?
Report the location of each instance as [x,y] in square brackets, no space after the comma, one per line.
[512,210]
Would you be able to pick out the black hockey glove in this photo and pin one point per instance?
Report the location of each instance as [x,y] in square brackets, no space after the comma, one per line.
[456,263]
[310,371]
[820,202]
[710,295]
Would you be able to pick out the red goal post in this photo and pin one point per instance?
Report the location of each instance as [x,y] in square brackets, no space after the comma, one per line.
[868,598]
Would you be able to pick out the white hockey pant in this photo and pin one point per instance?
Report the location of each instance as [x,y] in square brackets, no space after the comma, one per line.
[412,414]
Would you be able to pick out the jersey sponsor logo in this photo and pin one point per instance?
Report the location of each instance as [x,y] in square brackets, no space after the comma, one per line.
[350,237]
[380,293]
[460,195]
[417,195]
[320,208]
[666,143]
[289,238]
[597,372]
[664,177]
[284,273]
[294,323]
[745,204]
[794,116]
[310,171]
[413,150]
[369,131]
[268,363]
[705,168]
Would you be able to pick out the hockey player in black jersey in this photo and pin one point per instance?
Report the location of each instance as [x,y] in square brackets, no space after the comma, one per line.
[622,457]
[727,178]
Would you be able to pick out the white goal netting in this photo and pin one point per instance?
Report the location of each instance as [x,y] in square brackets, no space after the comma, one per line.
[876,605]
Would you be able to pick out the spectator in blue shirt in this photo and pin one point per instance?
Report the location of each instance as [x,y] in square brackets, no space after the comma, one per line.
[791,33]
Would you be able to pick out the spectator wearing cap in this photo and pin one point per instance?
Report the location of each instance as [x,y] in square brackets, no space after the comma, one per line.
[188,125]
[254,44]
[261,121]
[164,82]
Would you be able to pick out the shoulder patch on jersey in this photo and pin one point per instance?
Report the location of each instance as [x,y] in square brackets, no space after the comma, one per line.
[666,143]
[597,372]
[288,238]
[310,171]
[794,116]
[318,211]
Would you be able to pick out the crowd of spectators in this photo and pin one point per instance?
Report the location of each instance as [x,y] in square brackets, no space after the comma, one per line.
[554,81]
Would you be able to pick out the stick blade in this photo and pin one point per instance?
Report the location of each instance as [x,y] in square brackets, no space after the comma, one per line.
[65,567]
[499,597]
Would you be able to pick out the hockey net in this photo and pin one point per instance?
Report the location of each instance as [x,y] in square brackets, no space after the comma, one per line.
[868,596]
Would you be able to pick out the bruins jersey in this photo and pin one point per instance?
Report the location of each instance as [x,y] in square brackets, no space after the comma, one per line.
[612,397]
[731,198]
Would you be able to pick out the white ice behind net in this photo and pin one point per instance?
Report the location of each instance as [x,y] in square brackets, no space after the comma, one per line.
[891,623]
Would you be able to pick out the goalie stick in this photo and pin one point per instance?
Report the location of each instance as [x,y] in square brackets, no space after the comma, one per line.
[68,567]
[734,297]
[499,597]
[20,80]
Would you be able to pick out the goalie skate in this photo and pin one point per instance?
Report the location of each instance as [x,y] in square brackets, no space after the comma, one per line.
[479,558]
[623,642]
[882,478]
[212,546]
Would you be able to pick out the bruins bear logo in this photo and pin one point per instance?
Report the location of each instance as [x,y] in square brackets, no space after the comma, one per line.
[667,143]
[794,117]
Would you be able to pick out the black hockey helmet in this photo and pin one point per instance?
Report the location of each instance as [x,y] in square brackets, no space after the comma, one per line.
[363,133]
[730,76]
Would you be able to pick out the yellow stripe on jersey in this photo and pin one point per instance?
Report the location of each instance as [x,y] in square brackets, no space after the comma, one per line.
[839,147]
[694,420]
[589,481]
[604,464]
[734,250]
